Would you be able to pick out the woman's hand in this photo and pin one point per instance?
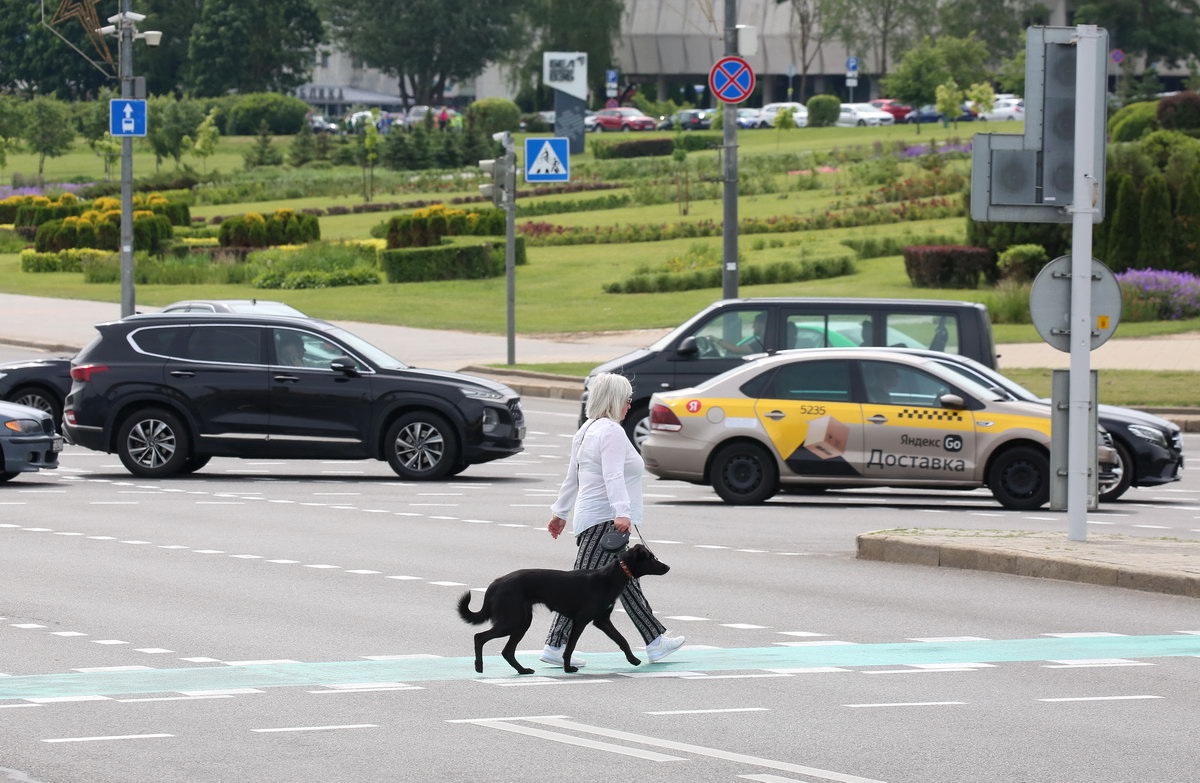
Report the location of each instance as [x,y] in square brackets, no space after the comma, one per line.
[556,526]
[623,524]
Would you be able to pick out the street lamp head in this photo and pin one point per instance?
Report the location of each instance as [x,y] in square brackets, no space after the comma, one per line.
[152,37]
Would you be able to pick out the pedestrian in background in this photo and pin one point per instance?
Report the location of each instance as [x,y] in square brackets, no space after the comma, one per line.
[443,119]
[602,492]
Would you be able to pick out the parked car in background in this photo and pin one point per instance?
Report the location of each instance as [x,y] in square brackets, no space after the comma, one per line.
[623,119]
[893,107]
[321,125]
[1005,109]
[246,306]
[416,115]
[168,392]
[766,117]
[589,122]
[687,119]
[862,114]
[929,113]
[747,117]
[28,442]
[37,383]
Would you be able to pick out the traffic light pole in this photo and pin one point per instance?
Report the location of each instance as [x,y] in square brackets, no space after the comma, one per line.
[510,248]
[125,57]
[729,275]
[1083,207]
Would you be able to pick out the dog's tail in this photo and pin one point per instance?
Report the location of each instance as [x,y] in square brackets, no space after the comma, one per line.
[474,618]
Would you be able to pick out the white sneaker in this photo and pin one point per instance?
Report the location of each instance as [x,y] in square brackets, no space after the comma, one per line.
[554,655]
[663,646]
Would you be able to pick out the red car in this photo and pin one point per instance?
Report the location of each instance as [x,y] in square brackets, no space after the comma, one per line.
[626,119]
[892,107]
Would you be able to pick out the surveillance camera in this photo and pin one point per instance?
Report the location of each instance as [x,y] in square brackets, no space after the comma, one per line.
[107,30]
[503,137]
[135,17]
[152,37]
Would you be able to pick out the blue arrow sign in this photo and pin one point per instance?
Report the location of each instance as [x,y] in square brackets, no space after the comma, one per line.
[127,117]
[547,160]
[851,63]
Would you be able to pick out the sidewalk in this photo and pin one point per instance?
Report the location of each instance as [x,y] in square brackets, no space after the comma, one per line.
[1120,561]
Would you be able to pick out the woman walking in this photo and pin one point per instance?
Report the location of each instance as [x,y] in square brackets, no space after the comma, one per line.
[604,487]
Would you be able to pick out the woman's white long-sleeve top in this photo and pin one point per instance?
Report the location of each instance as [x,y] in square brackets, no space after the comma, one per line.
[604,477]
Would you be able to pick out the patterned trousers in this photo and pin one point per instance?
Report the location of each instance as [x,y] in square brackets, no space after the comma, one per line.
[592,555]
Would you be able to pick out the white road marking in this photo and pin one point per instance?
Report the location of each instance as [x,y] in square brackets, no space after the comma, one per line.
[810,670]
[1104,698]
[108,641]
[705,712]
[176,698]
[321,728]
[583,742]
[1091,663]
[321,565]
[59,699]
[801,633]
[153,650]
[686,618]
[283,561]
[67,633]
[908,704]
[99,739]
[449,584]
[743,626]
[248,557]
[1154,527]
[413,656]
[373,690]
[201,660]
[363,571]
[26,625]
[822,643]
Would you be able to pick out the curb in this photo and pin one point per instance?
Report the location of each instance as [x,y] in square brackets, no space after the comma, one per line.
[903,549]
[528,383]
[41,346]
[481,369]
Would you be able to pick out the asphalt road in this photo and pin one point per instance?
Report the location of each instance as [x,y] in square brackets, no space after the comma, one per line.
[294,621]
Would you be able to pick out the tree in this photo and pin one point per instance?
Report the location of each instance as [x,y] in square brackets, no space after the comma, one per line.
[809,32]
[427,44]
[205,142]
[7,144]
[262,153]
[590,26]
[12,116]
[784,121]
[1187,224]
[1166,30]
[1012,71]
[999,24]
[174,123]
[981,97]
[877,26]
[928,65]
[264,46]
[948,98]
[1154,225]
[1123,233]
[49,132]
[304,147]
[34,61]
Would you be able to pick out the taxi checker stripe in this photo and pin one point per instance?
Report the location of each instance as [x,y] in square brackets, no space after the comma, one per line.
[939,415]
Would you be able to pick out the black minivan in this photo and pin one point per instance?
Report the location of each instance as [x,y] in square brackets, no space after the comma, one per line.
[169,392]
[718,337]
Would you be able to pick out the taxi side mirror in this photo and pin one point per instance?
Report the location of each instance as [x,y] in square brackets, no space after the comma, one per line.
[688,347]
[952,401]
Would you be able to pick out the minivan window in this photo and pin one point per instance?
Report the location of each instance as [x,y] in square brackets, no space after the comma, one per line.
[224,344]
[935,331]
[732,333]
[836,330]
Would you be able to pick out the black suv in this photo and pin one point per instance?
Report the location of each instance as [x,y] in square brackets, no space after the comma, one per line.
[168,392]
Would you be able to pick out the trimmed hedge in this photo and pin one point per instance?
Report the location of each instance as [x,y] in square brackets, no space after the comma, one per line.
[425,228]
[447,262]
[759,274]
[150,233]
[634,148]
[823,110]
[71,260]
[317,278]
[284,227]
[1134,121]
[694,141]
[949,266]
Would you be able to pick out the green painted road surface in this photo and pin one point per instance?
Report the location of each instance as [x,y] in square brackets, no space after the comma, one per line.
[424,669]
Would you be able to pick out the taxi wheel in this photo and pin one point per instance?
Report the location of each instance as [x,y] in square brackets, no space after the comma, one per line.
[744,474]
[1125,464]
[637,425]
[1020,479]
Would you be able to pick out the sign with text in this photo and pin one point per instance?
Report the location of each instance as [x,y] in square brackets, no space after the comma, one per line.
[566,71]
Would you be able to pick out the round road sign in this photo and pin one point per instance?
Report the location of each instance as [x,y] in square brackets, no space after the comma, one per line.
[1050,303]
[731,79]
[1117,56]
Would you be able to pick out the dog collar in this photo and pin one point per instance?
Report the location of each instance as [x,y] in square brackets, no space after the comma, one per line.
[625,568]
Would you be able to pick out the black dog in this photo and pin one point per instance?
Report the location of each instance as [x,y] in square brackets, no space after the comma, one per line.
[581,596]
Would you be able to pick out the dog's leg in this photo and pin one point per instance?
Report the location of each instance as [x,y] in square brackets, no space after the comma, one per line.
[510,648]
[605,624]
[482,638]
[577,627]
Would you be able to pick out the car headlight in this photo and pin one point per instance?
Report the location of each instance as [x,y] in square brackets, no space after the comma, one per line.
[1151,434]
[491,420]
[3,375]
[483,394]
[24,426]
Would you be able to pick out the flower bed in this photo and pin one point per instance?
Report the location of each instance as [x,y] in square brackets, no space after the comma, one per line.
[1157,295]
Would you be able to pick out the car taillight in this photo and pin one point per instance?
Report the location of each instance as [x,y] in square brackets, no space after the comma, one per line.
[84,372]
[69,416]
[663,418]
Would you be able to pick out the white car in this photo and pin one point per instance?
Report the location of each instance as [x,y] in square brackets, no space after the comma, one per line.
[766,117]
[1005,109]
[859,114]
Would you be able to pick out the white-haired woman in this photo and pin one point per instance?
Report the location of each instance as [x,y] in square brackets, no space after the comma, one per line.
[603,487]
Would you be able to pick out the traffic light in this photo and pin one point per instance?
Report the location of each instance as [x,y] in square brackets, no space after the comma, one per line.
[498,171]
[1031,178]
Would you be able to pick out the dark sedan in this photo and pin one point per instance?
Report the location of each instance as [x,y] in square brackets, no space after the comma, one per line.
[27,441]
[924,114]
[37,383]
[688,119]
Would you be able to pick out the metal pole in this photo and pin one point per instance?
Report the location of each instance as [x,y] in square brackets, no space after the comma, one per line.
[729,278]
[125,55]
[1082,209]
[510,247]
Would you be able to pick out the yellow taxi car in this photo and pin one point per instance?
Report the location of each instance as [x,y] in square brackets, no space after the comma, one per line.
[830,418]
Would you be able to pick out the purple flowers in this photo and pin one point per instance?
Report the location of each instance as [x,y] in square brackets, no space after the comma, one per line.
[1173,295]
[50,187]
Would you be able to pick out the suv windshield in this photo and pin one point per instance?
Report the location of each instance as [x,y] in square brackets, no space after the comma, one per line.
[376,356]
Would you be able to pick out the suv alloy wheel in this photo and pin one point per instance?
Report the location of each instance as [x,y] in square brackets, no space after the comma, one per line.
[421,445]
[153,443]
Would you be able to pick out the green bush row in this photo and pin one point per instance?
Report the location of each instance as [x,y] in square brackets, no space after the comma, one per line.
[150,233]
[878,247]
[284,227]
[447,262]
[71,260]
[316,278]
[30,215]
[153,270]
[562,206]
[427,230]
[759,274]
[631,148]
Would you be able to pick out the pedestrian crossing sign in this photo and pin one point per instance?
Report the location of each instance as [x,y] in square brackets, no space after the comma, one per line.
[547,160]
